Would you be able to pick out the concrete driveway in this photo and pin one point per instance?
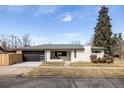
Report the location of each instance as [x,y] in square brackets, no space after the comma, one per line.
[18,69]
[27,64]
[61,82]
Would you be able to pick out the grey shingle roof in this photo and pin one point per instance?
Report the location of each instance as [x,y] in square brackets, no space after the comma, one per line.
[53,46]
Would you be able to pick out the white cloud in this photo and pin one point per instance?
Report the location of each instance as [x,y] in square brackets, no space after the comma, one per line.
[67,18]
[70,35]
[46,10]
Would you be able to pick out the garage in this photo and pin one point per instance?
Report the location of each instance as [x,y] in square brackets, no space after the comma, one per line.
[33,55]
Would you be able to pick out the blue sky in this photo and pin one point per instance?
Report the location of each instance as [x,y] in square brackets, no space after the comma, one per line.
[56,24]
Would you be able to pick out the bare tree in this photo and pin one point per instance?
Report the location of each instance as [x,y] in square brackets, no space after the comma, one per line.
[25,40]
[75,42]
[14,41]
[90,42]
[4,41]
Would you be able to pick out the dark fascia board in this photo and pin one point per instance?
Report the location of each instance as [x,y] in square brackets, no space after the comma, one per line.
[46,49]
[98,48]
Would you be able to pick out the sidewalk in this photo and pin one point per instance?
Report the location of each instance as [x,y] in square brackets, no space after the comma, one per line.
[13,71]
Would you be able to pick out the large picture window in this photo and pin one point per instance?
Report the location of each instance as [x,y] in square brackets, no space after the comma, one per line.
[61,53]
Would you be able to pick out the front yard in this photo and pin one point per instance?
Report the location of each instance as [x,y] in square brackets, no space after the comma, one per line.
[53,64]
[116,63]
[77,72]
[88,64]
[78,69]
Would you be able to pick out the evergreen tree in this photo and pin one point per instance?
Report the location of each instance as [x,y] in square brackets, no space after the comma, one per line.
[114,43]
[117,44]
[103,33]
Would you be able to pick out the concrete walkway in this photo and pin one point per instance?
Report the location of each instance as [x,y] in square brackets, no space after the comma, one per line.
[67,63]
[18,69]
[27,64]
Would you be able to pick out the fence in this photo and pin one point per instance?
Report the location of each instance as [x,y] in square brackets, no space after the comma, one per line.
[7,59]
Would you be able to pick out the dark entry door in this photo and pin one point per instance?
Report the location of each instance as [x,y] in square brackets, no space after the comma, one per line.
[33,55]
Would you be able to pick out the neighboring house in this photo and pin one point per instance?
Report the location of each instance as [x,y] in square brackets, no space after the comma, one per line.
[7,50]
[60,52]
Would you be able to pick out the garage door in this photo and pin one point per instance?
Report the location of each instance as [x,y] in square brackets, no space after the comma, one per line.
[33,55]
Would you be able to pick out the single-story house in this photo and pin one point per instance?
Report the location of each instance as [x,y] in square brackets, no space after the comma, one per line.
[60,52]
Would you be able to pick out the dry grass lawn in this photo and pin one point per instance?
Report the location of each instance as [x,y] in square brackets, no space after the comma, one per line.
[81,64]
[119,63]
[79,69]
[53,64]
[77,72]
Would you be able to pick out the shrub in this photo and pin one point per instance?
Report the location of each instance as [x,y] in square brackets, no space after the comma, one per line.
[93,58]
[108,61]
[105,59]
[111,59]
[99,60]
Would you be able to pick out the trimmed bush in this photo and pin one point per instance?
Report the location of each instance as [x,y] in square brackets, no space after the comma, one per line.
[99,60]
[108,61]
[93,58]
[111,59]
[104,59]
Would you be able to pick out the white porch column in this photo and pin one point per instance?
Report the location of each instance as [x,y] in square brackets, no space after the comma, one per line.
[47,55]
[72,55]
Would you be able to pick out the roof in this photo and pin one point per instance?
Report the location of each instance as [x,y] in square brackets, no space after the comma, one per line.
[97,48]
[54,46]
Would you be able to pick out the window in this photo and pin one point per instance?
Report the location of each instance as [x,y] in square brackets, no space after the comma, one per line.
[64,54]
[60,53]
[96,51]
[75,55]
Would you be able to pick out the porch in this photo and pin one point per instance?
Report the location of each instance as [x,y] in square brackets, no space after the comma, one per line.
[57,55]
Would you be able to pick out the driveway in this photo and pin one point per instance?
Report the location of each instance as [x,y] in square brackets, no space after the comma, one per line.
[61,82]
[18,69]
[27,64]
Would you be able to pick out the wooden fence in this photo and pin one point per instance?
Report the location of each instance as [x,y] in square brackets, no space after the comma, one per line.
[7,59]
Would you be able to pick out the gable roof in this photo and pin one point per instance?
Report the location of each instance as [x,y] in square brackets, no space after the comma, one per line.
[53,46]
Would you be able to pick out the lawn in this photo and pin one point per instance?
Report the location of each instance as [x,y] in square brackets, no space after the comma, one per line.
[77,72]
[88,64]
[53,64]
[79,69]
[117,63]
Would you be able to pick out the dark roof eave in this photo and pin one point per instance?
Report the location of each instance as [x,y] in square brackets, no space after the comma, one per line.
[98,48]
[52,49]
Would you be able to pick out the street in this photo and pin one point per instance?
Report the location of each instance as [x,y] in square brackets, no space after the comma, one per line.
[60,82]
